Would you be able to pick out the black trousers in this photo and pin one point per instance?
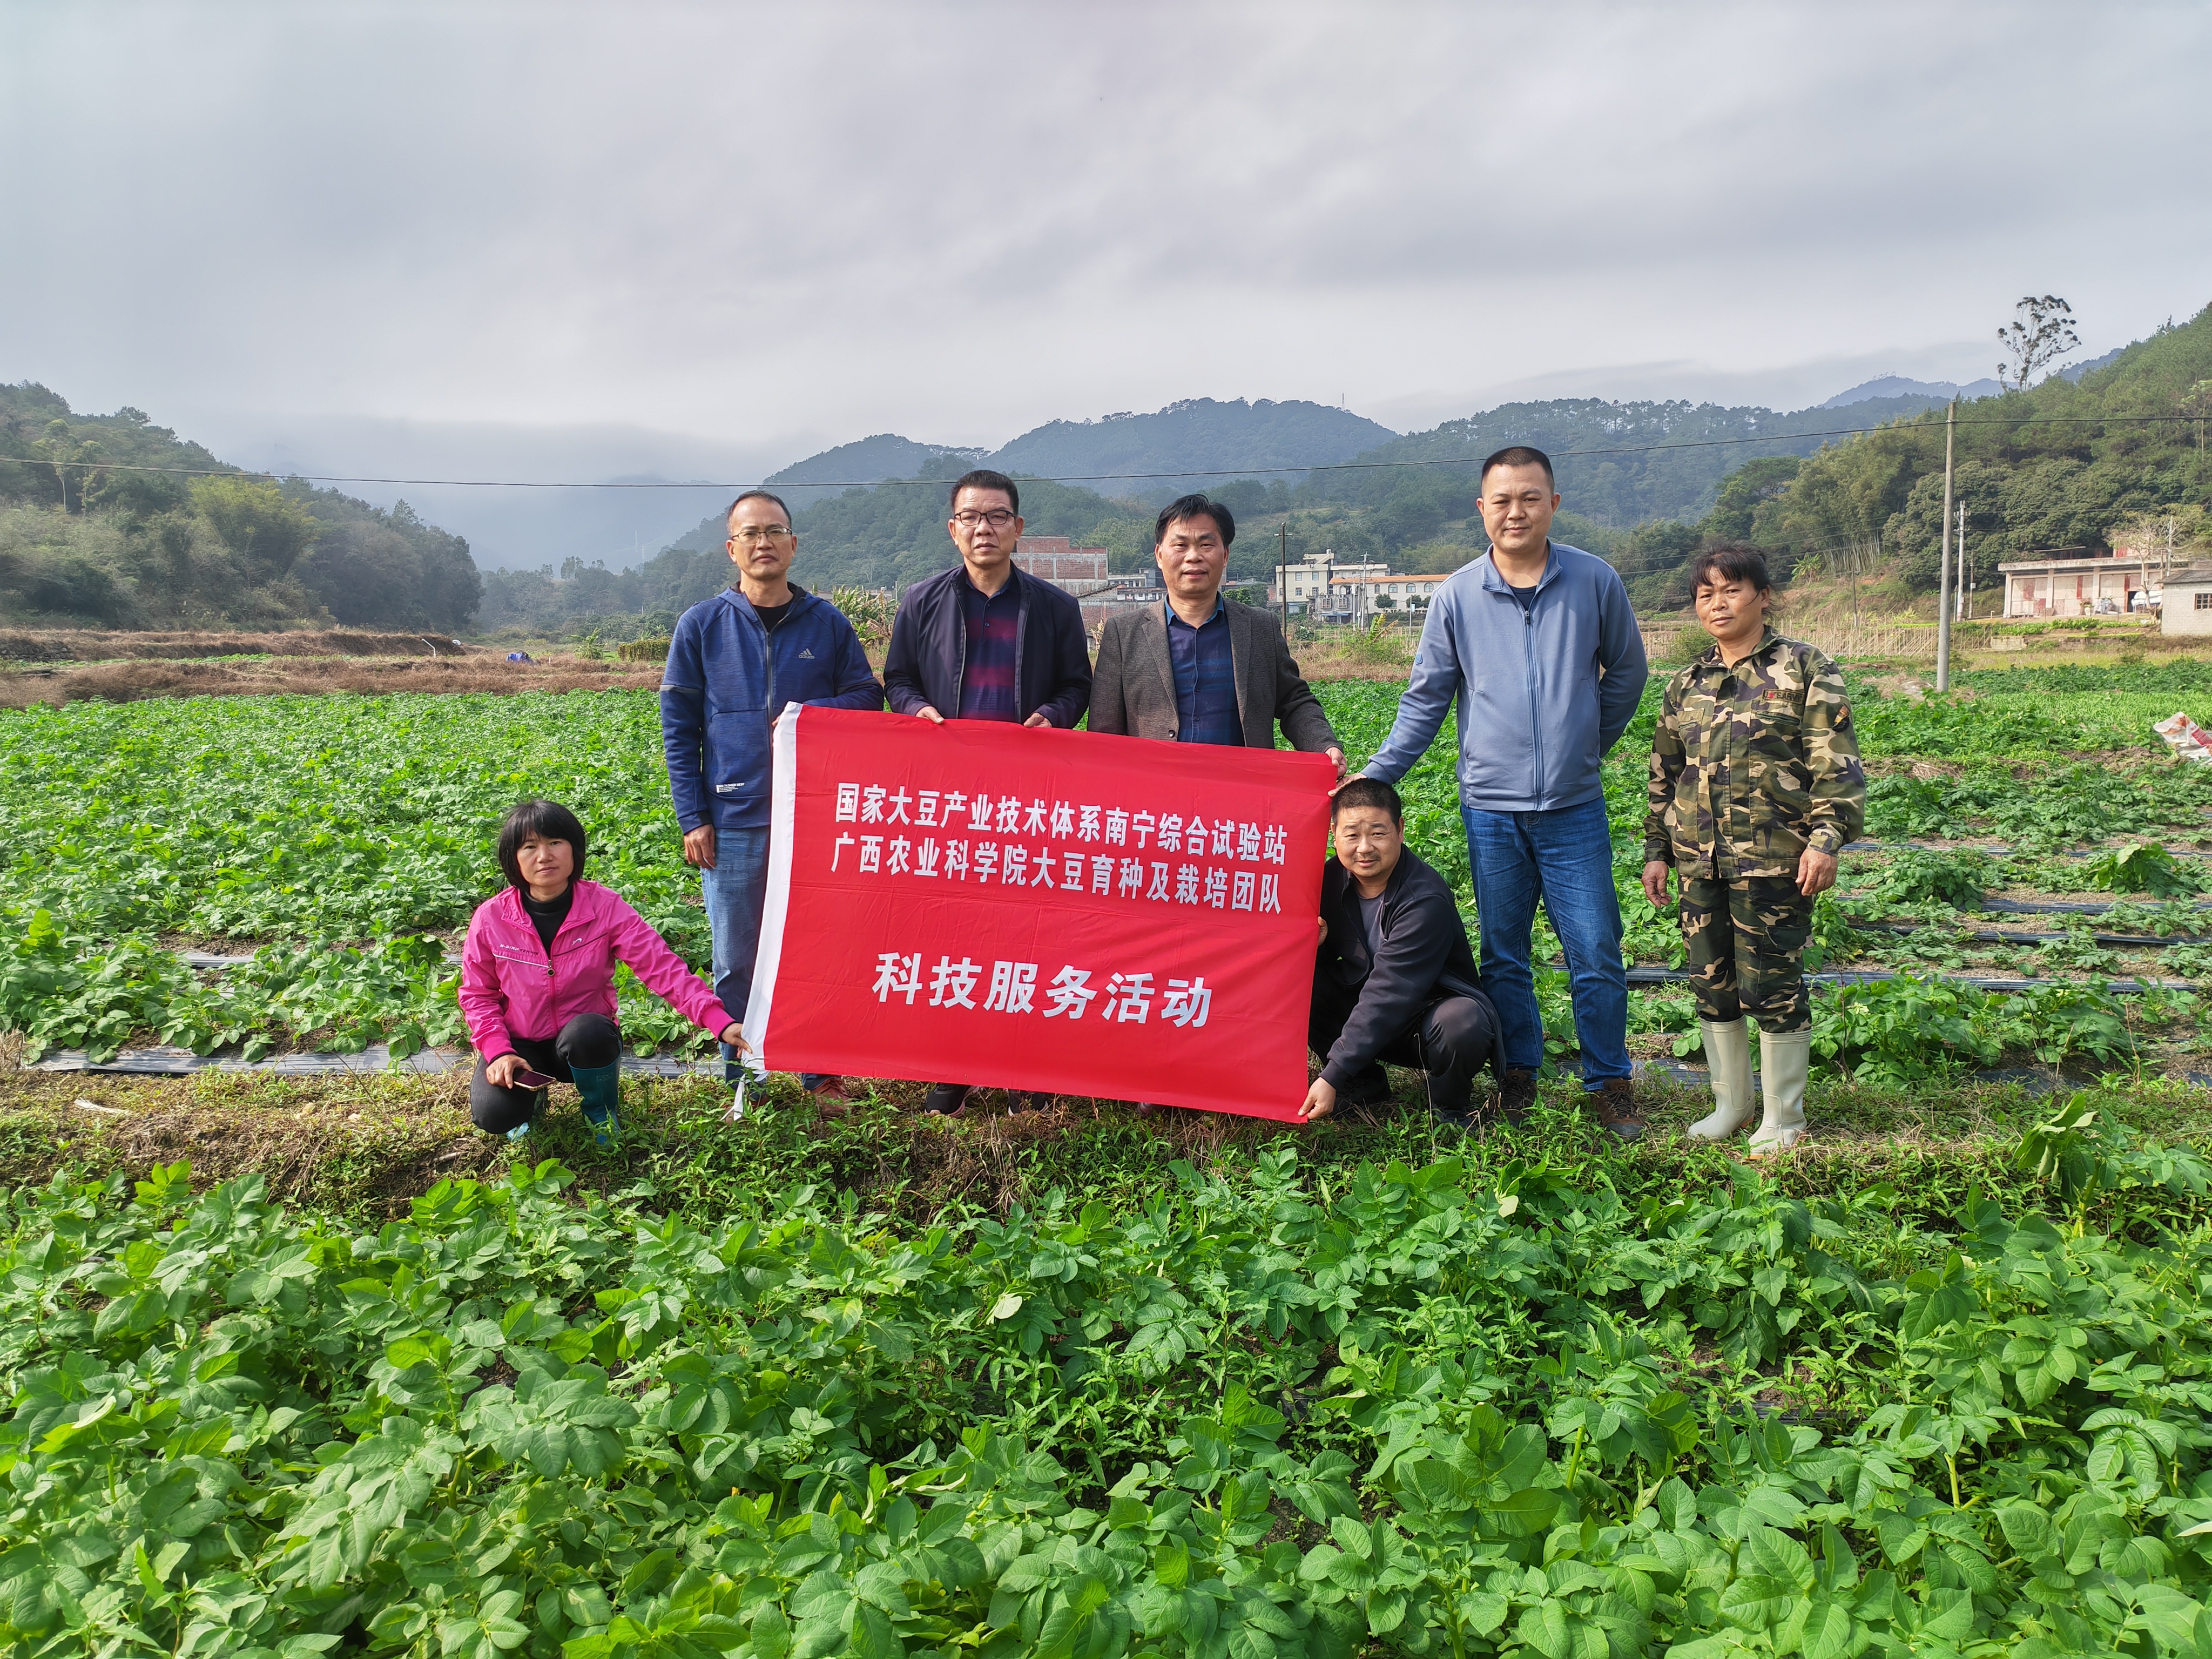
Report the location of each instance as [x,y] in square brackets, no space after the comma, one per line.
[1451,1041]
[590,1040]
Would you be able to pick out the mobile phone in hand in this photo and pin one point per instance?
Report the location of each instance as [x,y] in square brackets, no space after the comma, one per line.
[529,1079]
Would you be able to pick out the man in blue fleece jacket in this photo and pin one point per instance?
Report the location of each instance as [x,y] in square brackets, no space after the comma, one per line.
[735,660]
[1537,642]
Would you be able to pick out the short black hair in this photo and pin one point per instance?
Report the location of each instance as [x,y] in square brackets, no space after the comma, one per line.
[756,496]
[1733,561]
[546,819]
[983,478]
[1368,792]
[1522,455]
[1195,507]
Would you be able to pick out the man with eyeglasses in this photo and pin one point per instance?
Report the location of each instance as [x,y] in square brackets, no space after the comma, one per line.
[733,663]
[985,642]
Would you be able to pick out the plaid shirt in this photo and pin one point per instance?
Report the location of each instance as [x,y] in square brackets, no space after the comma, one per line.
[986,675]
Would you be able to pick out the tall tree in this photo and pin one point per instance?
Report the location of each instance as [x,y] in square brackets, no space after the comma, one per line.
[2040,332]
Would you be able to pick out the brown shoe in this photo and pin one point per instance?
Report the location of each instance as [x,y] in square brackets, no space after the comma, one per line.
[1616,1109]
[830,1099]
[1517,1094]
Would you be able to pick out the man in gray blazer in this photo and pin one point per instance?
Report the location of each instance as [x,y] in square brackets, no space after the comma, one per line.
[1200,668]
[1197,667]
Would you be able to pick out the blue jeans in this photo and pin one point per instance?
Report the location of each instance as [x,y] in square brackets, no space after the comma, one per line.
[1563,858]
[736,890]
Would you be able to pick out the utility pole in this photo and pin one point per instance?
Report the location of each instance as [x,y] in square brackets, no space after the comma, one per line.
[1283,574]
[1857,556]
[1943,581]
[1965,567]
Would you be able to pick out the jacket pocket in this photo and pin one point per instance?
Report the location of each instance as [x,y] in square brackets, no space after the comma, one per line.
[737,752]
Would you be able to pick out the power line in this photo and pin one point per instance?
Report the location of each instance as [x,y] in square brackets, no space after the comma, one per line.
[1072,477]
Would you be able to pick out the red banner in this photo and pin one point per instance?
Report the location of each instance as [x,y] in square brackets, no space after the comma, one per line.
[1035,910]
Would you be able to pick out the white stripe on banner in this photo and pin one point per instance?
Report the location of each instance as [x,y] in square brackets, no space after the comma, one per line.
[782,805]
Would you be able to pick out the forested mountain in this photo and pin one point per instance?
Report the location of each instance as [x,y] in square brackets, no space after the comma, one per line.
[869,460]
[1645,483]
[2062,465]
[880,537]
[1619,464]
[84,542]
[1421,516]
[1190,445]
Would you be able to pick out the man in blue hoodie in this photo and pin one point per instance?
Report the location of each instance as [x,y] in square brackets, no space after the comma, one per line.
[1538,643]
[733,663]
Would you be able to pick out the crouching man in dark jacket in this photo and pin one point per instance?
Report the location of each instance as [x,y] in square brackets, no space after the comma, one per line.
[1395,980]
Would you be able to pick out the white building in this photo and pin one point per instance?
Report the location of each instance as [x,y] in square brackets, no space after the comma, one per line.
[1339,591]
[2071,584]
[1357,599]
[1304,582]
[2187,601]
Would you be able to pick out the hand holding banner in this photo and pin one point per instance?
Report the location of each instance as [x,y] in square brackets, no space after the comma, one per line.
[1039,910]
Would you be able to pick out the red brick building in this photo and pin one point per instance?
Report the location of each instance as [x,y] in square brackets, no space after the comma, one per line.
[1081,570]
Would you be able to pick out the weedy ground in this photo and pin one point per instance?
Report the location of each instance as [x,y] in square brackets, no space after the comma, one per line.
[368,1145]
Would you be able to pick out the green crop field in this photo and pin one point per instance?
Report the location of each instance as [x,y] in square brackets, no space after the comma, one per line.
[775,1391]
[342,842]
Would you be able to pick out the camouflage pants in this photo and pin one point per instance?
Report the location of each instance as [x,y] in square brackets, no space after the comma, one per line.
[1746,950]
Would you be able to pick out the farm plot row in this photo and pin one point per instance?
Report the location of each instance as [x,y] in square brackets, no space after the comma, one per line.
[346,839]
[1261,1414]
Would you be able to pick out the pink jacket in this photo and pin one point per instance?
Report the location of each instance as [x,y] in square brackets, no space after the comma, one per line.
[510,985]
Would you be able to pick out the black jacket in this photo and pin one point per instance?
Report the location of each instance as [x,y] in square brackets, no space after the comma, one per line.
[1423,955]
[929,647]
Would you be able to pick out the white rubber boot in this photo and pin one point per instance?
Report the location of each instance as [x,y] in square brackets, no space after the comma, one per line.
[1728,1054]
[1784,1058]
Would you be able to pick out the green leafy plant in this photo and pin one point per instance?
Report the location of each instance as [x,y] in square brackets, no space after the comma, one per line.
[1958,878]
[1417,1413]
[2140,867]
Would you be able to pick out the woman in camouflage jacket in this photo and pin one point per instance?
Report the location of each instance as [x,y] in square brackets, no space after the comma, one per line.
[1756,788]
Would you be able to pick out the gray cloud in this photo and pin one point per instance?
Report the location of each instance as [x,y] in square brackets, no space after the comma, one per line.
[760,229]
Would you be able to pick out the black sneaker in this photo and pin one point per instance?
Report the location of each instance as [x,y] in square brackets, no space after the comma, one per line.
[1030,1102]
[946,1099]
[1516,1095]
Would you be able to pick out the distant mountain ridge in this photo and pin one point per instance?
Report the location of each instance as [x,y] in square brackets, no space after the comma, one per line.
[1898,386]
[868,460]
[1192,443]
[1941,392]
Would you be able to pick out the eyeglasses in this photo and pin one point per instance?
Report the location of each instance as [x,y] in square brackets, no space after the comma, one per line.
[754,534]
[998,518]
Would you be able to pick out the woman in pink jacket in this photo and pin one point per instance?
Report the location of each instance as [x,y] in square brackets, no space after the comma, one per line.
[537,978]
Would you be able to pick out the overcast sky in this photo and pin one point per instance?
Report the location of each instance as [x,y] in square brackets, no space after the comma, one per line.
[549,241]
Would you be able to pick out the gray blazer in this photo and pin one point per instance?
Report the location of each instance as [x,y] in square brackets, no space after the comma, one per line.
[1132,691]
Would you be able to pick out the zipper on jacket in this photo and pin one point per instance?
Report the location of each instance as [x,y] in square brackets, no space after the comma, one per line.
[1021,634]
[1535,712]
[770,640]
[960,678]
